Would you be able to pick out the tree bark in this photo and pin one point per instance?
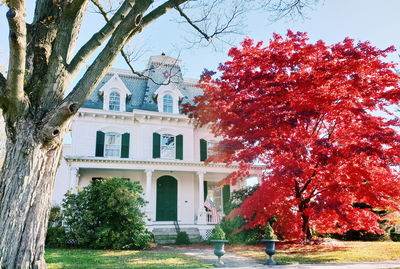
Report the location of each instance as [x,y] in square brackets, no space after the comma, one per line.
[26,186]
[306,227]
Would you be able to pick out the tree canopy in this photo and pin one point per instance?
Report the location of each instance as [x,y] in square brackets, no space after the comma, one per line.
[317,117]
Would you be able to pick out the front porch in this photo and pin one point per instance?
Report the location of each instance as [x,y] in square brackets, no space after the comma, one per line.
[175,191]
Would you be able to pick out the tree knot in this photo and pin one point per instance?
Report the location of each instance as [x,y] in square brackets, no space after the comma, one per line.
[11,14]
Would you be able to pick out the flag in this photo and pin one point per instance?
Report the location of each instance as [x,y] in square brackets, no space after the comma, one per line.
[215,217]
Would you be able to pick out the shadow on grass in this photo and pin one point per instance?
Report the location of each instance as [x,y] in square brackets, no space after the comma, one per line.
[101,259]
[299,259]
[288,253]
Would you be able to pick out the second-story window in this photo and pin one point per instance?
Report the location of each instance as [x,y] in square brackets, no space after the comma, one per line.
[112,145]
[168,103]
[168,146]
[115,101]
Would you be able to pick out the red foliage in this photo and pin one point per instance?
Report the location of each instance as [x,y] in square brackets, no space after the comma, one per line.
[309,113]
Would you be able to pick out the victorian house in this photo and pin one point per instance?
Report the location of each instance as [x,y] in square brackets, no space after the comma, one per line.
[132,127]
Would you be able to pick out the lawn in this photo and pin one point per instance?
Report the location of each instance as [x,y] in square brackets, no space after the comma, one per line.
[109,259]
[340,252]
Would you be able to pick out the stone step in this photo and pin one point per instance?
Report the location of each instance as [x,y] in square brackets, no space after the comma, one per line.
[173,231]
[168,235]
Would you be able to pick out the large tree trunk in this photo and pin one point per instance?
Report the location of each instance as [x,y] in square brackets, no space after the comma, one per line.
[306,227]
[26,187]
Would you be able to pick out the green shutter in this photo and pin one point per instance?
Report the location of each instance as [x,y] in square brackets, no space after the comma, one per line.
[156,145]
[203,150]
[100,144]
[125,145]
[226,196]
[205,190]
[179,147]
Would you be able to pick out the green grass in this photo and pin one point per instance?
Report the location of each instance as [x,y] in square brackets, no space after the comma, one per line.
[342,253]
[114,259]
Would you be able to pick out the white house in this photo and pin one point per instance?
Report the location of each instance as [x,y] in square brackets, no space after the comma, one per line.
[132,127]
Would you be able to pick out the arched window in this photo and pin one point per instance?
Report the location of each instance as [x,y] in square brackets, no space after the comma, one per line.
[115,101]
[168,104]
[112,145]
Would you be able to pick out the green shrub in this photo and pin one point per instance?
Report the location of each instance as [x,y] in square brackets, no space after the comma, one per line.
[107,215]
[361,235]
[233,227]
[55,236]
[269,232]
[394,236]
[217,233]
[182,238]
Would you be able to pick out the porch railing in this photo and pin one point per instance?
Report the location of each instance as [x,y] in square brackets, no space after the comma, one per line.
[210,218]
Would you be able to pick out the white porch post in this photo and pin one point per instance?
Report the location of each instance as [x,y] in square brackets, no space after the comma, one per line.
[148,195]
[73,178]
[259,180]
[201,215]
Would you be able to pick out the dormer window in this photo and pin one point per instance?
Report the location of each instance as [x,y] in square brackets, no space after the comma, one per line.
[115,101]
[168,97]
[115,94]
[168,103]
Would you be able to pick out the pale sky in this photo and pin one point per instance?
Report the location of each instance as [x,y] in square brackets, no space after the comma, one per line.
[330,20]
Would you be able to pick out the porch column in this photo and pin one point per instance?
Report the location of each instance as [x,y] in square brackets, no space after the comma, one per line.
[73,178]
[201,215]
[259,179]
[148,195]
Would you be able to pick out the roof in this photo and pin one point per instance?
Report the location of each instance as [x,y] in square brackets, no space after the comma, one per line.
[161,70]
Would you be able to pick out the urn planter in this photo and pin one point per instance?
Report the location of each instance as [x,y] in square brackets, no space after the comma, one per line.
[219,250]
[270,250]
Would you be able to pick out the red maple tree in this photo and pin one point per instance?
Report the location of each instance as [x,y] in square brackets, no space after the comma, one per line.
[316,116]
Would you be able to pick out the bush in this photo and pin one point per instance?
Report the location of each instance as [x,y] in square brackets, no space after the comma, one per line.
[217,233]
[238,196]
[361,235]
[182,238]
[269,232]
[106,215]
[394,236]
[233,228]
[55,236]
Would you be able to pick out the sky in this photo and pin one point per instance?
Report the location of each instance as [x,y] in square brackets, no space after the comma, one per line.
[329,20]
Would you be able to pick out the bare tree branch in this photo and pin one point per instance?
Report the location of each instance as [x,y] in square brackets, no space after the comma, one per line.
[16,68]
[67,32]
[214,20]
[96,71]
[97,39]
[103,12]
[127,57]
[288,8]
[205,35]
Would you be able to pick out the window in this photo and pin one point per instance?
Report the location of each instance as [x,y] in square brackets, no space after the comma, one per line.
[112,145]
[114,103]
[168,103]
[168,146]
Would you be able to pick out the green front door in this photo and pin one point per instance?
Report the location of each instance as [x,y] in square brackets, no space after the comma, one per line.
[167,199]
